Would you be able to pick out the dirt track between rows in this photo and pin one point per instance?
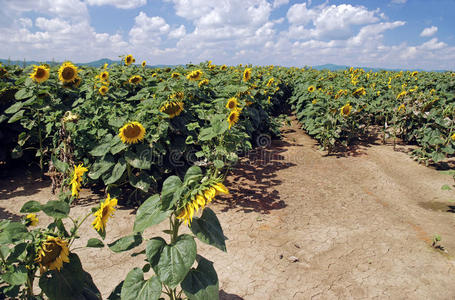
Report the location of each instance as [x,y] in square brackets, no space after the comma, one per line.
[303,225]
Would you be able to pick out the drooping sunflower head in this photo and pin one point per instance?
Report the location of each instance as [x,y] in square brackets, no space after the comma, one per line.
[106,210]
[104,76]
[129,59]
[311,88]
[144,63]
[103,90]
[232,103]
[135,79]
[194,75]
[346,110]
[76,181]
[31,219]
[132,133]
[52,254]
[40,73]
[172,108]
[233,117]
[247,74]
[67,72]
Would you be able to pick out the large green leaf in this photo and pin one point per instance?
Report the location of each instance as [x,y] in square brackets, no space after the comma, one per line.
[117,172]
[193,174]
[16,117]
[101,166]
[140,160]
[136,288]
[14,108]
[31,207]
[153,249]
[16,276]
[70,283]
[176,260]
[141,181]
[12,232]
[23,94]
[95,243]
[201,283]
[171,185]
[126,243]
[56,209]
[207,229]
[149,213]
[101,150]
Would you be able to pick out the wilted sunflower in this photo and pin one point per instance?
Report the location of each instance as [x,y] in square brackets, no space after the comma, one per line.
[132,132]
[172,108]
[203,198]
[67,72]
[105,211]
[31,219]
[76,181]
[346,110]
[104,76]
[194,75]
[311,88]
[40,73]
[233,117]
[247,74]
[103,90]
[232,103]
[52,254]
[129,59]
[144,63]
[135,79]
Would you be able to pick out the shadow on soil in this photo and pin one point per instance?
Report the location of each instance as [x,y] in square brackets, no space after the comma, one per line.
[19,184]
[226,296]
[253,180]
[438,206]
[6,215]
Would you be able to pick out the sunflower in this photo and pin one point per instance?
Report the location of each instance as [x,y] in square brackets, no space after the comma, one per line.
[270,82]
[314,101]
[414,73]
[135,79]
[311,88]
[402,94]
[360,92]
[175,75]
[144,63]
[223,67]
[232,103]
[31,219]
[346,110]
[3,71]
[76,181]
[402,107]
[69,117]
[203,82]
[129,59]
[233,117]
[453,137]
[40,73]
[203,198]
[195,75]
[67,72]
[103,90]
[247,74]
[132,132]
[104,76]
[172,108]
[52,254]
[105,211]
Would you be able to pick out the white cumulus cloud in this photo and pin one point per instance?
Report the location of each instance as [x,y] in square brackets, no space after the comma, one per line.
[429,31]
[123,4]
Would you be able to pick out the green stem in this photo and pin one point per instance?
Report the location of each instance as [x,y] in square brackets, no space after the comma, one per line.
[77,225]
[41,165]
[30,278]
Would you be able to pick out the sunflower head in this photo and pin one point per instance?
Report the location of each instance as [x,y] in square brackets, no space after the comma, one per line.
[67,72]
[106,210]
[346,110]
[175,75]
[402,107]
[135,79]
[103,90]
[104,76]
[132,133]
[144,63]
[76,181]
[31,219]
[52,254]
[194,75]
[40,73]
[233,117]
[453,137]
[223,67]
[129,59]
[311,88]
[247,74]
[402,94]
[232,103]
[172,108]
[203,82]
[360,92]
[270,82]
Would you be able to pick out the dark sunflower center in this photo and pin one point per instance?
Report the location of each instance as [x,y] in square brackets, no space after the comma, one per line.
[232,117]
[40,73]
[129,59]
[172,108]
[135,80]
[104,75]
[105,211]
[53,251]
[231,104]
[68,73]
[131,132]
[345,110]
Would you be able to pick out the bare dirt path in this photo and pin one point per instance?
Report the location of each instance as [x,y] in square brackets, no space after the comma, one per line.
[302,225]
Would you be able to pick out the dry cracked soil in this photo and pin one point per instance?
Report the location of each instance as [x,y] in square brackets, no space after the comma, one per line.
[302,225]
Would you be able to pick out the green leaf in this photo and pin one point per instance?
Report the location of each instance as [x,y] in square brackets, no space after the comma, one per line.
[201,283]
[193,174]
[56,209]
[117,145]
[31,207]
[100,167]
[140,161]
[126,243]
[170,186]
[23,94]
[176,260]
[95,243]
[17,276]
[153,249]
[16,117]
[446,187]
[117,172]
[12,232]
[136,288]
[142,181]
[70,283]
[206,134]
[149,213]
[59,165]
[101,150]
[17,253]
[218,164]
[208,230]
[14,108]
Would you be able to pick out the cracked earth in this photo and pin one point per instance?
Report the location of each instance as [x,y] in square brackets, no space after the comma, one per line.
[303,225]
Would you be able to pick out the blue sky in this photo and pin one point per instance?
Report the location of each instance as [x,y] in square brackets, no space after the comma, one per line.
[374,33]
